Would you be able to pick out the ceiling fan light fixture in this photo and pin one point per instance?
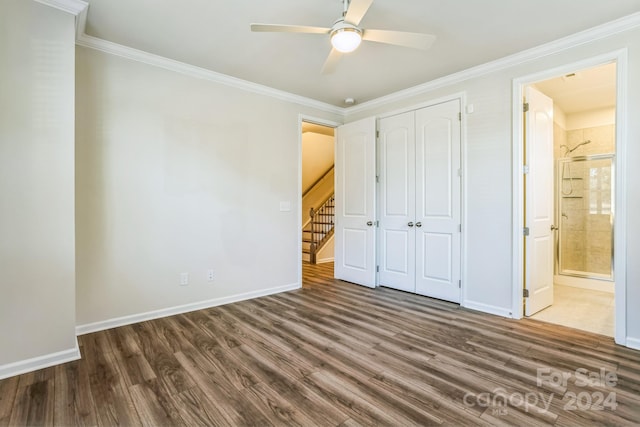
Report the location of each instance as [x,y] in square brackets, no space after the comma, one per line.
[346,39]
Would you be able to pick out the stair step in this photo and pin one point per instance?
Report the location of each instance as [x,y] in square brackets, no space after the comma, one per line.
[306,251]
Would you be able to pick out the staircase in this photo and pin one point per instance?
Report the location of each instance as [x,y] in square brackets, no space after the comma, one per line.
[318,230]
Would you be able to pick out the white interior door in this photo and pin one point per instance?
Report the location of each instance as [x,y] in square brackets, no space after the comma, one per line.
[355,171]
[438,204]
[539,201]
[396,181]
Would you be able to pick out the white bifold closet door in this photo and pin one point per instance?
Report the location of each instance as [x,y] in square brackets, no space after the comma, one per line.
[420,209]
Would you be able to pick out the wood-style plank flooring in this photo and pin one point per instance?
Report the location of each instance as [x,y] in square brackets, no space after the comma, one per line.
[333,354]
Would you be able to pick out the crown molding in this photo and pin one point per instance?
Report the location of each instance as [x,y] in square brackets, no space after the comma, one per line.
[74,7]
[201,73]
[596,33]
[80,8]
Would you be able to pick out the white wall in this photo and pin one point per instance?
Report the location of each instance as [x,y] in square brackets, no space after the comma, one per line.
[593,118]
[317,157]
[37,254]
[177,174]
[488,169]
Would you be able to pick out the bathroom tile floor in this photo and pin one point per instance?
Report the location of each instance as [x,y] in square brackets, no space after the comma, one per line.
[579,308]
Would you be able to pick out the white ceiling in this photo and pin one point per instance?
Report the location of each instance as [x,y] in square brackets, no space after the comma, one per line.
[584,90]
[215,35]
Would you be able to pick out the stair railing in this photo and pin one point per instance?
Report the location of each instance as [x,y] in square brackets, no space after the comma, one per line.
[321,226]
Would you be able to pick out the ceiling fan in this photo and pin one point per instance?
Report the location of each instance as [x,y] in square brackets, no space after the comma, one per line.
[346,35]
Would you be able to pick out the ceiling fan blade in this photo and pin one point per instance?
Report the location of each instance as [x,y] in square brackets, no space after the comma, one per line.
[356,11]
[400,38]
[276,28]
[331,62]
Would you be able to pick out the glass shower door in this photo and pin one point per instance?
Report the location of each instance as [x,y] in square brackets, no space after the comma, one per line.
[585,216]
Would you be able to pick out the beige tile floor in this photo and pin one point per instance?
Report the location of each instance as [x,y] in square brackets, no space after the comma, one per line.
[579,308]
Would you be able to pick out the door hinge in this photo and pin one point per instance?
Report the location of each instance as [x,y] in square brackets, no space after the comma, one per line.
[525,231]
[377,268]
[525,293]
[377,134]
[460,283]
[525,169]
[459,117]
[377,179]
[525,107]
[460,228]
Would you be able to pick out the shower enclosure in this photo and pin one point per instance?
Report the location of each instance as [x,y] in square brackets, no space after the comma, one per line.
[585,191]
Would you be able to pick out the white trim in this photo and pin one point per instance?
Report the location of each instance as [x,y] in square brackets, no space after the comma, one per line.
[632,343]
[74,7]
[620,259]
[486,308]
[620,207]
[156,314]
[601,31]
[40,362]
[81,21]
[200,73]
[82,39]
[464,214]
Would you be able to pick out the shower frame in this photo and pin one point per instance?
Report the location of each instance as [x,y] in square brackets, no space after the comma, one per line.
[558,216]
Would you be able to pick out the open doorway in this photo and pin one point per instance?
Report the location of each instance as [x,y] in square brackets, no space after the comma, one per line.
[318,204]
[569,265]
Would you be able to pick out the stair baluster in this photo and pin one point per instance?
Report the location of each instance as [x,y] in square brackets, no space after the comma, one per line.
[321,226]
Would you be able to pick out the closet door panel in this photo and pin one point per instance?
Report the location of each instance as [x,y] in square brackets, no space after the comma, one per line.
[438,141]
[396,180]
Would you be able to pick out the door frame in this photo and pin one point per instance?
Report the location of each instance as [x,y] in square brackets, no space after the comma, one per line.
[317,121]
[619,57]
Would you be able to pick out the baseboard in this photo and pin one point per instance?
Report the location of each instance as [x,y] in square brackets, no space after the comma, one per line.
[40,362]
[156,314]
[486,308]
[324,260]
[633,343]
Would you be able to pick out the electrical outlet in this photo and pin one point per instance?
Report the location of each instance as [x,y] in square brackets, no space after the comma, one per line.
[210,275]
[184,279]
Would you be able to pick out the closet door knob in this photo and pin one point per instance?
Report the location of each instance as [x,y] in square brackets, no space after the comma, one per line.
[369,223]
[418,224]
[410,224]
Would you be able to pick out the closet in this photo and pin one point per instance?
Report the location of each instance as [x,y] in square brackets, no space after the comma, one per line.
[419,188]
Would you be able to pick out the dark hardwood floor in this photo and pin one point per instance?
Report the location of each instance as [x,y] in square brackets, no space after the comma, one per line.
[333,354]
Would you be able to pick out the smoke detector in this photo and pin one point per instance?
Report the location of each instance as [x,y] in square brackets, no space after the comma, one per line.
[349,101]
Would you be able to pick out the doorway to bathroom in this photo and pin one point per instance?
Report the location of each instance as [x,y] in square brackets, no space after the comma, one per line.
[569,149]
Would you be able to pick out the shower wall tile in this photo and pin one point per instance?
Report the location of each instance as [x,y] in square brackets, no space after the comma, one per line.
[602,139]
[599,224]
[586,230]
